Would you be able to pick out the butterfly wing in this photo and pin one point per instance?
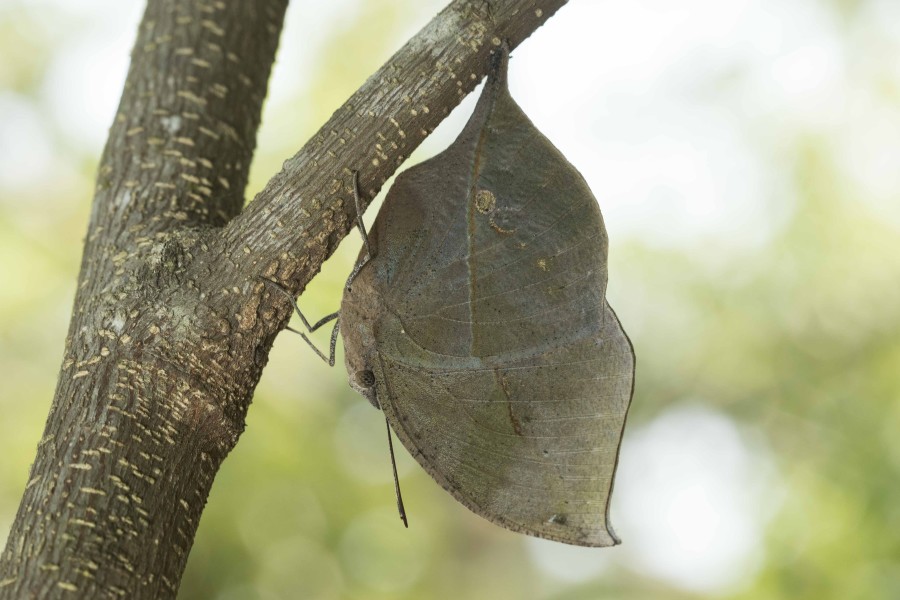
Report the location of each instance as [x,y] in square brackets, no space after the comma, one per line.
[496,246]
[531,445]
[496,358]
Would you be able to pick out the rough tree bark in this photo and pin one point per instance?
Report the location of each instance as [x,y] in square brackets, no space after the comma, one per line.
[171,325]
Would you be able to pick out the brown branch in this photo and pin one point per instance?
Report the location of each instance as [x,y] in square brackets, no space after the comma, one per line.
[179,150]
[135,434]
[295,223]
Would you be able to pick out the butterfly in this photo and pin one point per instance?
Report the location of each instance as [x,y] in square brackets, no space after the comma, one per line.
[476,319]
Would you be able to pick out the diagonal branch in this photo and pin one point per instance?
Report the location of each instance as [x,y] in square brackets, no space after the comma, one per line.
[295,223]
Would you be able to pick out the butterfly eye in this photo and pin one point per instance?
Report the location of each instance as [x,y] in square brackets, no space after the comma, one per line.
[365,379]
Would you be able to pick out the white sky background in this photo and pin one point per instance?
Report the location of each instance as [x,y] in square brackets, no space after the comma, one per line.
[659,104]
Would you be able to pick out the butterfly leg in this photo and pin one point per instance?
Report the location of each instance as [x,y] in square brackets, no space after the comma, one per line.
[335,316]
[362,231]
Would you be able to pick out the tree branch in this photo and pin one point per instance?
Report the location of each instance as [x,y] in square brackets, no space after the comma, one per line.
[135,434]
[296,222]
[179,150]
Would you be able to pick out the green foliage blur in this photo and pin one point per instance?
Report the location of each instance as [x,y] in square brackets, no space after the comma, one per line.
[762,453]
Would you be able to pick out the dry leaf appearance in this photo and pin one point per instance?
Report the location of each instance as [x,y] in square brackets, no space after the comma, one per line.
[482,317]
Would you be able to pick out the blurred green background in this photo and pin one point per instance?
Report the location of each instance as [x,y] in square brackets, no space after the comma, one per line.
[746,156]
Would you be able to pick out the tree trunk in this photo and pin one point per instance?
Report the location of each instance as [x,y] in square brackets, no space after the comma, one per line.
[172,326]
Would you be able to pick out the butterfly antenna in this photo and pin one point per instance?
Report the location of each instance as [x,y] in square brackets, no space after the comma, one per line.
[396,479]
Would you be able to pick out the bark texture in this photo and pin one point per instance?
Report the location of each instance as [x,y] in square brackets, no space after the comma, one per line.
[171,325]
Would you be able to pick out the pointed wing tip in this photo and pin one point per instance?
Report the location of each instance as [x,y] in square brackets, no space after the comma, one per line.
[601,539]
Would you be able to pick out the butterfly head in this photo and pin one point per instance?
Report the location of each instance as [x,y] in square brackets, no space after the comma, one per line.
[364,382]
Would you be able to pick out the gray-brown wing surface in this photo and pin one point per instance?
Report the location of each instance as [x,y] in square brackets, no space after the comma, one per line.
[496,246]
[531,445]
[483,318]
